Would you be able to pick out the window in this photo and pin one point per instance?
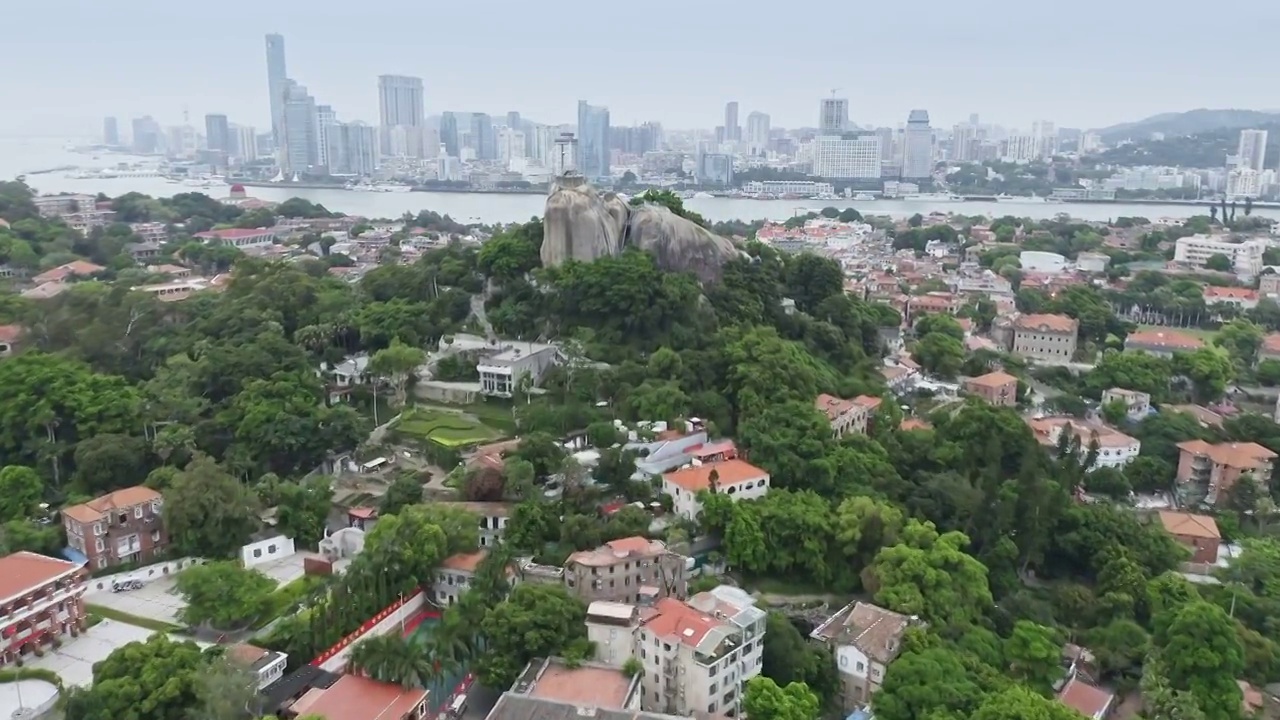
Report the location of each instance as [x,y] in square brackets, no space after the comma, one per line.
[102,562]
[98,544]
[712,688]
[97,528]
[137,511]
[155,536]
[861,667]
[711,708]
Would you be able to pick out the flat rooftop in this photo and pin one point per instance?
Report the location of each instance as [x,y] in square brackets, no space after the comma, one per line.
[584,686]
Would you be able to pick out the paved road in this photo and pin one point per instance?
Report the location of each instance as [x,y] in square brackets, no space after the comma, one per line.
[477,309]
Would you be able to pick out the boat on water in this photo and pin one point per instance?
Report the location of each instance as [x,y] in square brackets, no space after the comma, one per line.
[1025,199]
[701,195]
[932,197]
[863,197]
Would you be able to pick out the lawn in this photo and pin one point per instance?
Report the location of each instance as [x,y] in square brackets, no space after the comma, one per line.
[449,429]
[106,613]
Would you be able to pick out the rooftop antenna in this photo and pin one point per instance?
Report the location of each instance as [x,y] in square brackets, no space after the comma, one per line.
[834,91]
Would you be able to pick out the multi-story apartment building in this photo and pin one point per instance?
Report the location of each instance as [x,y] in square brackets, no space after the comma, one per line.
[1208,472]
[1199,533]
[1245,257]
[865,639]
[1269,284]
[41,598]
[629,570]
[697,661]
[996,388]
[738,479]
[847,157]
[1240,298]
[1137,405]
[1115,449]
[454,576]
[1045,337]
[267,665]
[239,237]
[502,371]
[847,416]
[121,527]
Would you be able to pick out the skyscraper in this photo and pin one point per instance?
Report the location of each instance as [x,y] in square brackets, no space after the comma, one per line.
[299,151]
[326,118]
[833,116]
[400,105]
[277,85]
[246,143]
[449,133]
[217,133]
[110,131]
[732,131]
[146,135]
[917,147]
[483,137]
[1253,149]
[757,132]
[964,143]
[593,140]
[513,120]
[352,148]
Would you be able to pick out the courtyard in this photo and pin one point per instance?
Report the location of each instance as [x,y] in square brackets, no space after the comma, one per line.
[73,662]
[441,690]
[157,599]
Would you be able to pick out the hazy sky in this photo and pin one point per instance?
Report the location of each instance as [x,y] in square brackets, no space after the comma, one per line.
[1085,63]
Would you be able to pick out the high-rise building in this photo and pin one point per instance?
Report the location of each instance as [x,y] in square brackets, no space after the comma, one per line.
[513,120]
[449,133]
[180,141]
[847,157]
[299,152]
[246,143]
[483,137]
[146,135]
[1253,149]
[714,169]
[510,145]
[887,136]
[964,143]
[326,118]
[564,154]
[593,140]
[917,147]
[110,131]
[1046,135]
[732,131]
[1021,148]
[833,116]
[217,133]
[757,132]
[277,85]
[973,119]
[399,104]
[353,148]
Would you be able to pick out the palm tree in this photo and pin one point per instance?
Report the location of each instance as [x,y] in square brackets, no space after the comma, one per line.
[393,659]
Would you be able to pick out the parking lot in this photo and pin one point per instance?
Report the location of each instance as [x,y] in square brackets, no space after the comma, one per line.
[158,599]
[73,662]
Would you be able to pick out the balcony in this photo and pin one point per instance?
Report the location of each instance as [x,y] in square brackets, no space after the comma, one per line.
[41,604]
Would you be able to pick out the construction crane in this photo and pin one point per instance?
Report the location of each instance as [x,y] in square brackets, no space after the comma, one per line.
[835,90]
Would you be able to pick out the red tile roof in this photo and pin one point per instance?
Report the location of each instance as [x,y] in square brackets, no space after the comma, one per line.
[100,507]
[354,697]
[1046,323]
[23,571]
[729,472]
[1197,526]
[1085,698]
[1212,292]
[10,333]
[464,562]
[677,620]
[1237,455]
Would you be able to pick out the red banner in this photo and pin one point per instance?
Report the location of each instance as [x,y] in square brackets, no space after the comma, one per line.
[368,625]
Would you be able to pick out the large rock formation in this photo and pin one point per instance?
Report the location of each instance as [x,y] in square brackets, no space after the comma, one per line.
[581,224]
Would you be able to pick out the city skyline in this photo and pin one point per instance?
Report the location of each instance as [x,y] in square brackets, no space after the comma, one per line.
[1014,79]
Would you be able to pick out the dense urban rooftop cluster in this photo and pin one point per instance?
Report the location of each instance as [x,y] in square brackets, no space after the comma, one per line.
[270,458]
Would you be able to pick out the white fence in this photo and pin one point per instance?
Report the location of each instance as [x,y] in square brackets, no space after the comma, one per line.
[264,551]
[145,574]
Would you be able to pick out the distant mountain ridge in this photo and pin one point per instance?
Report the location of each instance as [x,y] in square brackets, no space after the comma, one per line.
[1191,122]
